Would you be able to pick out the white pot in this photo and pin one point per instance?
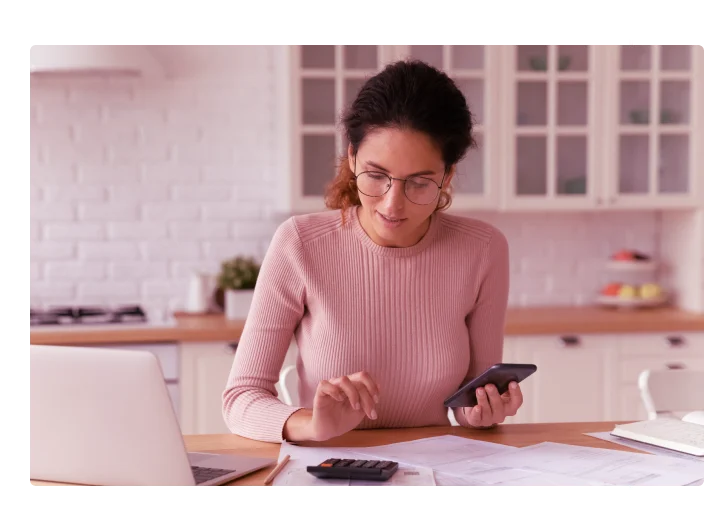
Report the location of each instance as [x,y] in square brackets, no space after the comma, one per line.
[237,303]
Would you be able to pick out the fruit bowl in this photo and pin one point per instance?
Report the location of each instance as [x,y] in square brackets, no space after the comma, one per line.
[632,295]
[632,302]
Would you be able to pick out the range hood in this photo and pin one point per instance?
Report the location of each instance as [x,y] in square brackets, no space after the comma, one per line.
[110,60]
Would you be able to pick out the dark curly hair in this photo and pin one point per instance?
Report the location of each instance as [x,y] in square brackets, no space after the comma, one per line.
[407,94]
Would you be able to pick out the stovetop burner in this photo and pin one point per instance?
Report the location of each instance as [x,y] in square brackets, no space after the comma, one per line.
[80,315]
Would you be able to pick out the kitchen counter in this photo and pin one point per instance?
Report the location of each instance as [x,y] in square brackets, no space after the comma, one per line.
[186,328]
[519,321]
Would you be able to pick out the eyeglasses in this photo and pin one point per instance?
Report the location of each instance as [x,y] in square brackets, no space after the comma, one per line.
[419,190]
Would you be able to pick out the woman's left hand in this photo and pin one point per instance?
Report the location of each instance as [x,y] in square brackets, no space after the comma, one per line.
[493,408]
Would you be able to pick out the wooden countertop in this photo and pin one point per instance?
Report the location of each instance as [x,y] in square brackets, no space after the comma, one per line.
[597,320]
[519,321]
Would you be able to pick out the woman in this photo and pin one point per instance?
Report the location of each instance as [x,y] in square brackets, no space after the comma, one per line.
[394,304]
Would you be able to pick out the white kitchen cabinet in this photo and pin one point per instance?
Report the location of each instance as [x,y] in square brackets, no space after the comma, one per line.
[580,377]
[559,127]
[641,352]
[594,377]
[571,383]
[551,127]
[653,102]
[326,79]
[475,70]
[205,368]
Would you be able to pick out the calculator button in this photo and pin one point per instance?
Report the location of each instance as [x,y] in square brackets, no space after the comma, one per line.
[371,464]
[358,463]
[330,462]
[385,464]
[344,463]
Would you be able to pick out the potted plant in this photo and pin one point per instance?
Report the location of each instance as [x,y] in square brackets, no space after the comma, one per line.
[236,279]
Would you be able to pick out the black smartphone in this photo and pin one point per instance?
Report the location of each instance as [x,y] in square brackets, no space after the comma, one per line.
[499,375]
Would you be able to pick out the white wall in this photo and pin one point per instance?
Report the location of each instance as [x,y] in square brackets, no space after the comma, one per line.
[683,270]
[134,183]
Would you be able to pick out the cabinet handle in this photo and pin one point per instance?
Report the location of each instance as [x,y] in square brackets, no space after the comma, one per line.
[675,366]
[570,340]
[231,348]
[675,341]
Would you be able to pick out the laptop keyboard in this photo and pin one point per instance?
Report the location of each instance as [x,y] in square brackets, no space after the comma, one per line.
[204,474]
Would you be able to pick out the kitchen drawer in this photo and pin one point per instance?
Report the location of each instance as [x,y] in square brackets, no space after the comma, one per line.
[568,342]
[674,343]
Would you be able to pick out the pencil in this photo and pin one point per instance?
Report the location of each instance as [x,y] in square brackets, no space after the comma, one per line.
[276,470]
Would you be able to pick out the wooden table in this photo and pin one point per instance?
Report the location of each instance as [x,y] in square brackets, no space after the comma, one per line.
[518,435]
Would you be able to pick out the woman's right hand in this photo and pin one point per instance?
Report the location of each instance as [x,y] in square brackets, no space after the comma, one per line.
[340,404]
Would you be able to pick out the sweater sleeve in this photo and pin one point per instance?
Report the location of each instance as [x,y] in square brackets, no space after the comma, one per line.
[250,405]
[486,321]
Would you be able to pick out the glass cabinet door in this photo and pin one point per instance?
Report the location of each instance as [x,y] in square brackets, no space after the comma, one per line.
[550,126]
[473,68]
[653,119]
[326,81]
[561,127]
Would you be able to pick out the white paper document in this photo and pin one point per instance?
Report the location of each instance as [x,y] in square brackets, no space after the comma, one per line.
[295,474]
[459,461]
[648,448]
[438,452]
[478,473]
[455,461]
[601,465]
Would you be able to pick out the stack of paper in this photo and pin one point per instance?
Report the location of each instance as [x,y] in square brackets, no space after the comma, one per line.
[455,461]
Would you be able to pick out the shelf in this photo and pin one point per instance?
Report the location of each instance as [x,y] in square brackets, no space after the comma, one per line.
[631,265]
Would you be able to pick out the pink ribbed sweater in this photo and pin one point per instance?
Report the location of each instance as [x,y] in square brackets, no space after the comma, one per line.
[420,319]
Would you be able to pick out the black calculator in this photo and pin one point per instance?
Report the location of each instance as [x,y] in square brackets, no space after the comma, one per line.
[346,468]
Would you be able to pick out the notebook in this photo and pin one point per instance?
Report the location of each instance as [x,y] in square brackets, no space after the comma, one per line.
[671,433]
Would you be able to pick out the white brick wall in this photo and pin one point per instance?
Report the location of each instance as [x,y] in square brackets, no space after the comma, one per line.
[558,258]
[136,183]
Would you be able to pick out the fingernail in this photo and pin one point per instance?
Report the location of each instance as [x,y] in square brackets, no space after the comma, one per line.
[514,384]
[476,410]
[376,398]
[373,415]
[480,392]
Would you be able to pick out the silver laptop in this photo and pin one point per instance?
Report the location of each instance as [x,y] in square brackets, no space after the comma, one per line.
[104,417]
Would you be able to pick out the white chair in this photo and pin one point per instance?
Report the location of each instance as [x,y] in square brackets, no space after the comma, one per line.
[670,391]
[451,416]
[288,385]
